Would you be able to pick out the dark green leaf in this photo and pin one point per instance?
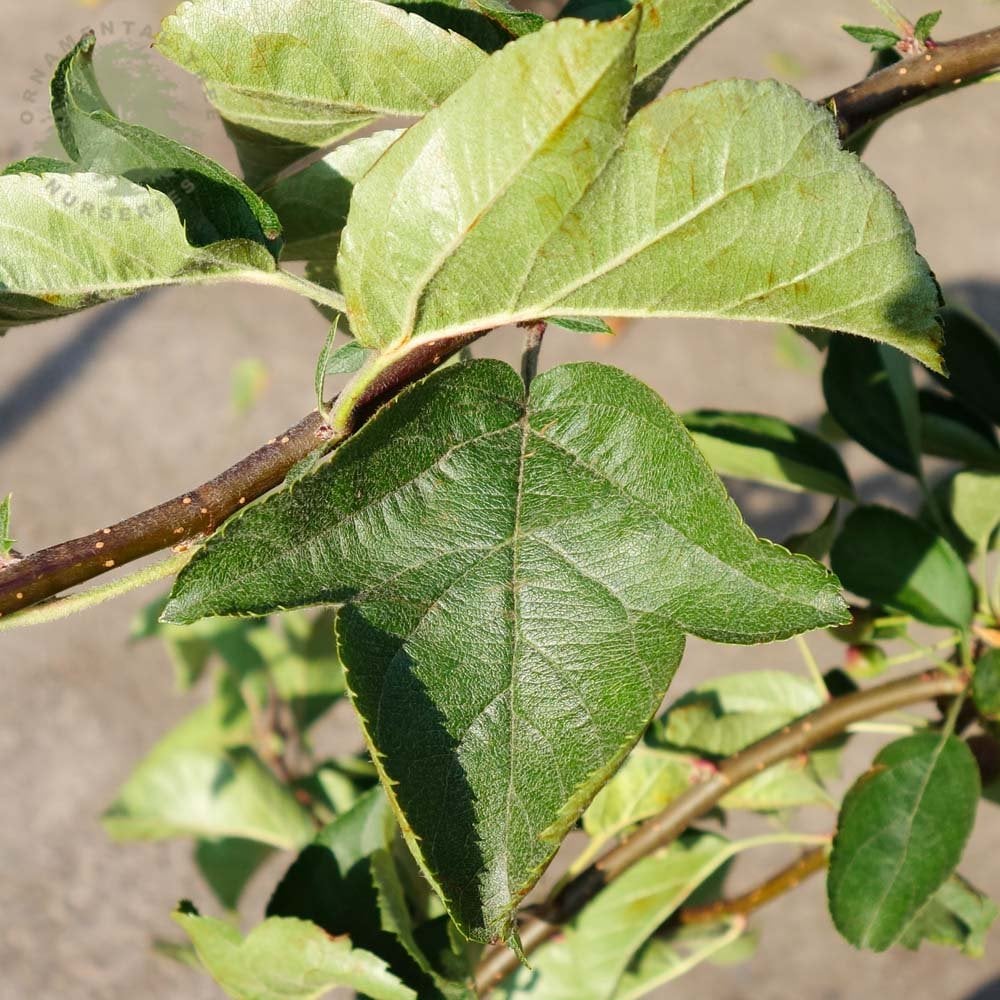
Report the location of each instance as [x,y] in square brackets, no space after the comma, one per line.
[213,205]
[462,509]
[286,959]
[870,393]
[925,25]
[769,450]
[489,25]
[816,543]
[228,864]
[950,430]
[986,684]
[901,833]
[312,204]
[972,359]
[877,38]
[293,77]
[899,563]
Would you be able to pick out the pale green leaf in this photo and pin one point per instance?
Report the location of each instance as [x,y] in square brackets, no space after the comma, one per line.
[293,77]
[664,958]
[187,791]
[312,204]
[723,716]
[768,450]
[572,210]
[212,204]
[462,509]
[899,563]
[248,383]
[788,784]
[669,29]
[957,916]
[590,957]
[6,542]
[647,782]
[974,505]
[76,240]
[902,830]
[286,959]
[925,25]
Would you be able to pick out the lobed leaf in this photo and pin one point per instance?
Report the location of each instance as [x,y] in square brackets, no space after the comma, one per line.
[289,78]
[902,830]
[897,562]
[465,510]
[576,211]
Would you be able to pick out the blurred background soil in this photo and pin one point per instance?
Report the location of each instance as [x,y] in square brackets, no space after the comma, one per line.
[110,411]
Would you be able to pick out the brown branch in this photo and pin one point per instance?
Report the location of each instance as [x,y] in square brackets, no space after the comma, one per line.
[811,730]
[777,885]
[944,68]
[202,509]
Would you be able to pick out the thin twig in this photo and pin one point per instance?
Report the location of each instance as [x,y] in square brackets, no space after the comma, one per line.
[777,885]
[533,334]
[811,730]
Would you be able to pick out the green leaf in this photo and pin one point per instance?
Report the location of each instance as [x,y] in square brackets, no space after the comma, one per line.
[589,959]
[647,782]
[312,204]
[667,32]
[228,864]
[972,359]
[957,916]
[286,959]
[902,829]
[870,392]
[768,450]
[901,564]
[581,324]
[294,77]
[746,159]
[725,715]
[6,542]
[948,429]
[925,25]
[76,240]
[179,791]
[877,38]
[490,25]
[346,882]
[344,360]
[816,543]
[663,958]
[787,785]
[462,509]
[213,205]
[986,685]
[974,505]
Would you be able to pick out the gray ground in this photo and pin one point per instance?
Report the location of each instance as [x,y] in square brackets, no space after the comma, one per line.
[108,412]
